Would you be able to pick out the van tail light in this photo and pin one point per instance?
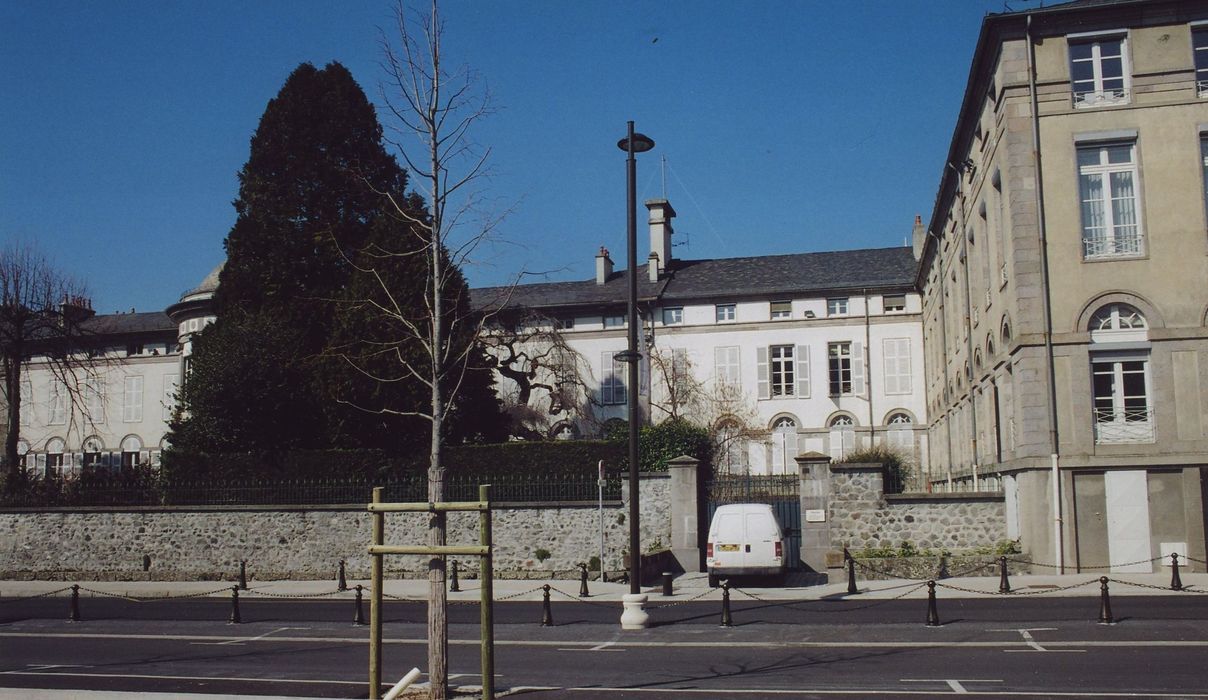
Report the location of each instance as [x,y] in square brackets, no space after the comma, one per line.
[779,549]
[709,550]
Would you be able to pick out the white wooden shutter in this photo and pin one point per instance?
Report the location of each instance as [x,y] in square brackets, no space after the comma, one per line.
[803,372]
[857,368]
[761,374]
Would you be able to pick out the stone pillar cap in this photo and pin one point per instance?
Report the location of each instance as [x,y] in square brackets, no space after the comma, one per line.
[683,461]
[812,457]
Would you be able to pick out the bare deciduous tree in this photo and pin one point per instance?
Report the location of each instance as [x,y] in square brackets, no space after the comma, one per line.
[40,314]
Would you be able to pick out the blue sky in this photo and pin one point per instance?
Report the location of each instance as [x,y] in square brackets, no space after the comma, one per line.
[786,126]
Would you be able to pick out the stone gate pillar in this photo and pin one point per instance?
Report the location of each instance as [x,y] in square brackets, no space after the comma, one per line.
[685,512]
[814,471]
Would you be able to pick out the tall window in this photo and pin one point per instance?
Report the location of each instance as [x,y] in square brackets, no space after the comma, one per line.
[1107,177]
[1204,162]
[57,404]
[839,359]
[1098,75]
[784,445]
[724,313]
[1199,44]
[94,400]
[169,399]
[1122,407]
[54,455]
[842,436]
[132,400]
[901,433]
[132,448]
[27,402]
[612,382]
[897,365]
[725,366]
[783,377]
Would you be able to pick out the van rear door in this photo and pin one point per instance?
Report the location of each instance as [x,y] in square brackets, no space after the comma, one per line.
[761,535]
[729,541]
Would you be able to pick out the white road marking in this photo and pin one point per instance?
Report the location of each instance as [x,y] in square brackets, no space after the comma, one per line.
[896,692]
[633,644]
[1028,639]
[185,678]
[602,646]
[953,683]
[239,641]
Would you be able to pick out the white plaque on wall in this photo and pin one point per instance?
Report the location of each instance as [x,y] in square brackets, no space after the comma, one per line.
[815,516]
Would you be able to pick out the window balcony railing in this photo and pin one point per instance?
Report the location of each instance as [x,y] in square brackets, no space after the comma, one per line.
[1100,98]
[1115,426]
[1117,246]
[1201,88]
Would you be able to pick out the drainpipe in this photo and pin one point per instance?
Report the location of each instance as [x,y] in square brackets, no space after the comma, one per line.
[872,432]
[1054,450]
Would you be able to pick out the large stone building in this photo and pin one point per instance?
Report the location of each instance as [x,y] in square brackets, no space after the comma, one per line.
[1064,274]
[779,354]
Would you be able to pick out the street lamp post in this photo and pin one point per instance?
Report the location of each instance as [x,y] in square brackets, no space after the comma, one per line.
[633,143]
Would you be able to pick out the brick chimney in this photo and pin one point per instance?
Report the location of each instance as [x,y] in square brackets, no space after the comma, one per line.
[603,266]
[661,215]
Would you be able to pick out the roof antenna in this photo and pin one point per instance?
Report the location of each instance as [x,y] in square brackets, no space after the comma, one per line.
[664,170]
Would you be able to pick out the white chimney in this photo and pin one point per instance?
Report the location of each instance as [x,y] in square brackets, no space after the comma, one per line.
[603,266]
[652,266]
[661,215]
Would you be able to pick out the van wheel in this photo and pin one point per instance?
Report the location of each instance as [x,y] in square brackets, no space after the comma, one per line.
[712,580]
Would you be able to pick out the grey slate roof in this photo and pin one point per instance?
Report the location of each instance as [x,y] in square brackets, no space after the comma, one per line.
[731,278]
[121,324]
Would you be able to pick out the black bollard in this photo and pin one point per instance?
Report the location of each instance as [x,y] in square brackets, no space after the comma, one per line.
[1004,585]
[75,604]
[454,585]
[667,577]
[726,620]
[235,617]
[851,572]
[243,574]
[583,581]
[360,616]
[933,615]
[1105,603]
[341,579]
[1176,582]
[547,617]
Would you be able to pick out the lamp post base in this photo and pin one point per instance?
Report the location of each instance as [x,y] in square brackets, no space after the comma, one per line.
[634,617]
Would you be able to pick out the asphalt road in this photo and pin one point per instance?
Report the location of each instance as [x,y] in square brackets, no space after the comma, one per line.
[1025,646]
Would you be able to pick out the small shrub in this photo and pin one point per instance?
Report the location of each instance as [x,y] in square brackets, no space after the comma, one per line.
[593,564]
[1007,547]
[541,554]
[894,468]
[907,549]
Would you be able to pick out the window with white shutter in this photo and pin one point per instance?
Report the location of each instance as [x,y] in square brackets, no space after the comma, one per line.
[132,400]
[803,371]
[897,365]
[762,373]
[57,404]
[94,400]
[726,366]
[612,380]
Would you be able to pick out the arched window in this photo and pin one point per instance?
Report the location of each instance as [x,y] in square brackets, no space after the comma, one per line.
[54,454]
[1005,332]
[900,435]
[784,445]
[1116,323]
[93,447]
[842,437]
[132,447]
[729,447]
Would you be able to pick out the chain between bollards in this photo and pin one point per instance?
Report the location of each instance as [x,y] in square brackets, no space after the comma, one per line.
[1176,582]
[1105,603]
[243,574]
[360,616]
[547,617]
[74,615]
[933,615]
[454,584]
[851,572]
[1004,585]
[726,620]
[583,581]
[341,579]
[235,617]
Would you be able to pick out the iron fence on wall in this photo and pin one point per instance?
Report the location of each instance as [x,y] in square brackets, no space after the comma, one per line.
[521,487]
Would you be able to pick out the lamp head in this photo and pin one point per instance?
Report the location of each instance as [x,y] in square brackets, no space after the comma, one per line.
[641,143]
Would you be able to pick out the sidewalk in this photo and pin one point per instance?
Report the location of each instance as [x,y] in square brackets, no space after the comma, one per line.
[693,585]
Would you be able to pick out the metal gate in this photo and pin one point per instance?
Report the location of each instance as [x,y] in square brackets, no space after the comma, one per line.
[782,492]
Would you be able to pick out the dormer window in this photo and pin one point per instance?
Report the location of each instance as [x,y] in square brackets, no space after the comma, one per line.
[673,316]
[782,309]
[836,306]
[1098,71]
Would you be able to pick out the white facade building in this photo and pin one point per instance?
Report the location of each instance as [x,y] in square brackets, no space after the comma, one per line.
[776,354]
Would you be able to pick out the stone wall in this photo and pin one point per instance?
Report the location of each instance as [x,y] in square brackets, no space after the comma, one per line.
[862,516]
[308,542]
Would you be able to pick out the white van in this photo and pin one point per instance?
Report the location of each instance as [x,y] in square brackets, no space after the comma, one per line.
[744,539]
